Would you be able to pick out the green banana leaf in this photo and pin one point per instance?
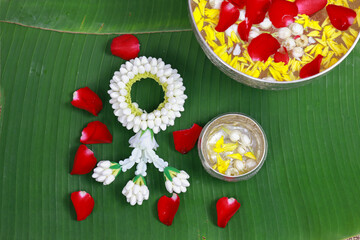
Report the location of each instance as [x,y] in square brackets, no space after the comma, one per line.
[308,188]
[98,16]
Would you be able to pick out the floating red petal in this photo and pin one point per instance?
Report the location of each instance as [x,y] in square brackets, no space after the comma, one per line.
[341,17]
[256,10]
[238,3]
[281,56]
[185,140]
[226,208]
[282,13]
[244,30]
[95,132]
[310,7]
[311,68]
[229,14]
[262,47]
[126,46]
[85,98]
[167,208]
[83,204]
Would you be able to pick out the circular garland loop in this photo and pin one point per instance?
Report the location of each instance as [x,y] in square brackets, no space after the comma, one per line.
[129,114]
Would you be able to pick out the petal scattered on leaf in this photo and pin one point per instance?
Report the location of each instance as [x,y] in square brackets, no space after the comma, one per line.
[96,132]
[226,208]
[185,140]
[167,208]
[126,46]
[83,204]
[84,161]
[85,98]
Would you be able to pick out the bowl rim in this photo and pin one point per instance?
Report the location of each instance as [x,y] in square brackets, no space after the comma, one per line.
[302,80]
[252,172]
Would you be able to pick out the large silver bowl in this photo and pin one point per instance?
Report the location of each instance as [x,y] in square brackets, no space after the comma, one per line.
[252,81]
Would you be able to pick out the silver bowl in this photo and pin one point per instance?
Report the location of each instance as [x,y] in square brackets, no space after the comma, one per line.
[252,81]
[233,119]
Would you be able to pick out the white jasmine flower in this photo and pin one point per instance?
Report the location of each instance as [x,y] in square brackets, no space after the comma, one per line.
[176,181]
[265,24]
[237,50]
[143,140]
[136,191]
[215,3]
[106,172]
[289,44]
[298,52]
[129,114]
[284,33]
[296,29]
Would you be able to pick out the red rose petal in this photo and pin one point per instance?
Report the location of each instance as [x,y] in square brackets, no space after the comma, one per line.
[226,208]
[85,98]
[310,7]
[229,14]
[256,10]
[238,3]
[185,140]
[311,68]
[126,46]
[341,17]
[244,30]
[95,132]
[83,204]
[281,56]
[167,208]
[84,161]
[262,47]
[282,13]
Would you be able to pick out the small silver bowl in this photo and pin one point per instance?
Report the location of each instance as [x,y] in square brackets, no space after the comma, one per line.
[249,80]
[237,119]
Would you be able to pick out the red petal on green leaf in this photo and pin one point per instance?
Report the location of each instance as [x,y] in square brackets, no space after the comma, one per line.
[282,13]
[341,17]
[95,132]
[311,68]
[126,46]
[310,7]
[262,47]
[229,14]
[84,161]
[256,10]
[85,98]
[167,208]
[83,204]
[281,56]
[238,3]
[244,30]
[226,208]
[185,140]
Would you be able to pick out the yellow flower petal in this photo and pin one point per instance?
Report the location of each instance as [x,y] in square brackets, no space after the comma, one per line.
[228,147]
[235,156]
[222,165]
[219,142]
[250,155]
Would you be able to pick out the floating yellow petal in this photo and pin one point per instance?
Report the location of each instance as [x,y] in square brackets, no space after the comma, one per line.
[250,155]
[222,165]
[235,156]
